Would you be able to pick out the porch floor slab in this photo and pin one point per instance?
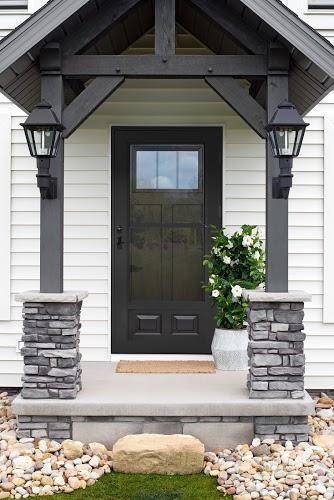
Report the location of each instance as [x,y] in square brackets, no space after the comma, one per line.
[107,393]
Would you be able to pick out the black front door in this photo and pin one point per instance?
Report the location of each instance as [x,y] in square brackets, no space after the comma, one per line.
[166,193]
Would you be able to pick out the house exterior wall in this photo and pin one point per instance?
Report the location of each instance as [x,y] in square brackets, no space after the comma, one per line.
[87,208]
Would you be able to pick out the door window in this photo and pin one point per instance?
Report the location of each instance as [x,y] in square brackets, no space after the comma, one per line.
[167,167]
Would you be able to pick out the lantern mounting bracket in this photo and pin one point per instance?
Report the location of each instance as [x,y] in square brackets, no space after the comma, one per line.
[282,184]
[46,184]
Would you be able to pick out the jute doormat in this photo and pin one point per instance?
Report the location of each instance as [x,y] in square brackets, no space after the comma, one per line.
[165,367]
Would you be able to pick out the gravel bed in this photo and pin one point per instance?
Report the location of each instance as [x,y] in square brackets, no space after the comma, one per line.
[267,470]
[35,467]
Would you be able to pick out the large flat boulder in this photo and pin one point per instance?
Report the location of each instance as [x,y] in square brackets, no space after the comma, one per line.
[158,454]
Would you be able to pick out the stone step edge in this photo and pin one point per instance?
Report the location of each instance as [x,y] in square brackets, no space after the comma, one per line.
[77,407]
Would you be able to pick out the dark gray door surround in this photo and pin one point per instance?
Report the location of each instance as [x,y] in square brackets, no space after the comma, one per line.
[160,233]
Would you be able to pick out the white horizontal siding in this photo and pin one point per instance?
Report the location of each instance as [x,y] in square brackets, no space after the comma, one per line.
[87,203]
[320,342]
[10,330]
[5,201]
[244,192]
[87,210]
[11,18]
[86,239]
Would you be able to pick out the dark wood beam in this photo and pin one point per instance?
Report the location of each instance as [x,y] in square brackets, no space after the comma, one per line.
[277,255]
[110,12]
[233,25]
[239,99]
[52,211]
[143,66]
[164,27]
[88,101]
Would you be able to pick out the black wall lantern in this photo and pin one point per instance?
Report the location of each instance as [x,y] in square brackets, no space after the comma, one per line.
[286,131]
[43,132]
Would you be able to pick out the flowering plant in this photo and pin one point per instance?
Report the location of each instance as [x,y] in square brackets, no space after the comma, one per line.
[235,262]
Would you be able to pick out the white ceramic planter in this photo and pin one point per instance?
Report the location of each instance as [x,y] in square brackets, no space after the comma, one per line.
[229,349]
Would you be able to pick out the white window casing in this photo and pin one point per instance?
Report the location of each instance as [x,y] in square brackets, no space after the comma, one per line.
[5,213]
[13,5]
[320,4]
[328,300]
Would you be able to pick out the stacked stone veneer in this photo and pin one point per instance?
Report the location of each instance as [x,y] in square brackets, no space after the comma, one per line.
[276,347]
[294,428]
[282,428]
[51,349]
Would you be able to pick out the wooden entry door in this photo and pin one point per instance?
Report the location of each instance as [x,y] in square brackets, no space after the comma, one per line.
[166,192]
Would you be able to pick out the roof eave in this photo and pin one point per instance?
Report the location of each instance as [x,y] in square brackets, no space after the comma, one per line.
[314,46]
[39,25]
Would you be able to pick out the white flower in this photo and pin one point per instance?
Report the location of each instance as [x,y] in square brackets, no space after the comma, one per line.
[215,250]
[255,231]
[256,255]
[211,281]
[227,260]
[236,291]
[229,245]
[247,241]
[261,286]
[215,293]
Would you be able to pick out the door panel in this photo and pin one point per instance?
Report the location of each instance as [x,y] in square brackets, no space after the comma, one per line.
[166,193]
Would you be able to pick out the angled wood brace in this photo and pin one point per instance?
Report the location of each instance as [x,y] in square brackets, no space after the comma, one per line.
[229,89]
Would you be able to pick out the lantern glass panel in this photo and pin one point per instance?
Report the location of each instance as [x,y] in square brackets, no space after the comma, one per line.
[43,139]
[31,142]
[274,145]
[286,141]
[299,140]
[57,136]
[285,138]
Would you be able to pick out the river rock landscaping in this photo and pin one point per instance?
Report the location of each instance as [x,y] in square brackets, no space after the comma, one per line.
[268,470]
[263,470]
[35,467]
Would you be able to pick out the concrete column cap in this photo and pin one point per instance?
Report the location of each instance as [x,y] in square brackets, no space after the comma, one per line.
[292,296]
[35,296]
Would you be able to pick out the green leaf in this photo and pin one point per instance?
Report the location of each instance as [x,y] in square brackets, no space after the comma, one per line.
[247,272]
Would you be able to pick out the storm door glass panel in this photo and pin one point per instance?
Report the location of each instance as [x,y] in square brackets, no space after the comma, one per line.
[166,223]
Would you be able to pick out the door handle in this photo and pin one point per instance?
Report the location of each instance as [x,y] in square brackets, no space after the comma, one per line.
[119,242]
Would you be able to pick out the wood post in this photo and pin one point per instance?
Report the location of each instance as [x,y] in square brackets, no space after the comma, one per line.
[276,209]
[52,211]
[165,28]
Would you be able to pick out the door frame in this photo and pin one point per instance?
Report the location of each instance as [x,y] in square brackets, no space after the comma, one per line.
[147,126]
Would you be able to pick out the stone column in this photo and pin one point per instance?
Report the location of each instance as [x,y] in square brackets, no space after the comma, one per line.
[276,344]
[51,327]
